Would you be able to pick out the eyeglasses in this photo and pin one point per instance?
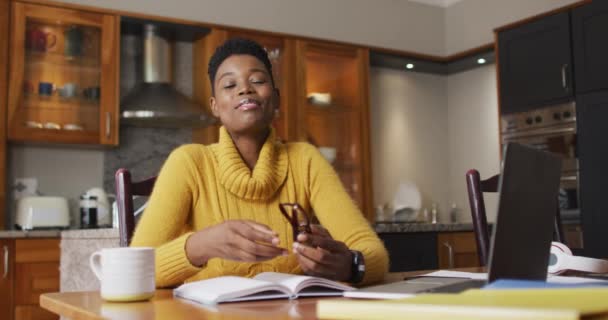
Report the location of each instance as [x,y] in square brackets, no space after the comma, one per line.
[297,217]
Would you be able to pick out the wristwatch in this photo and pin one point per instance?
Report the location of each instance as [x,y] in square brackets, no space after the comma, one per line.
[357,267]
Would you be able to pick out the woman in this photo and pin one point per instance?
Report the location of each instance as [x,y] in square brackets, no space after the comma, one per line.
[215,209]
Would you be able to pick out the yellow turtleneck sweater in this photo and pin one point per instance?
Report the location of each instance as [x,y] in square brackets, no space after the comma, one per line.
[200,186]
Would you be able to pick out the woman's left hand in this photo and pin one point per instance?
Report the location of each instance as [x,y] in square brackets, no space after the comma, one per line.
[321,256]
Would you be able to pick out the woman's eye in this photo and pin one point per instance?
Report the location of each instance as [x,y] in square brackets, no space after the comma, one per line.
[258,81]
[229,85]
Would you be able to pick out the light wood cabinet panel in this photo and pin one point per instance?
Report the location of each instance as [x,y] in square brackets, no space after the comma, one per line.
[33,279]
[4,36]
[457,250]
[33,313]
[7,275]
[37,250]
[63,84]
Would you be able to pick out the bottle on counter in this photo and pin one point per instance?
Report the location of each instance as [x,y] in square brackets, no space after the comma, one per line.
[454,213]
[425,216]
[88,211]
[434,213]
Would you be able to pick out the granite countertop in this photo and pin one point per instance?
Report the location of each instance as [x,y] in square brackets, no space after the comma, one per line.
[29,234]
[103,233]
[385,227]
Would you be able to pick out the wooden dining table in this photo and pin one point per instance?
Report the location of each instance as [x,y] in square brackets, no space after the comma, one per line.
[90,305]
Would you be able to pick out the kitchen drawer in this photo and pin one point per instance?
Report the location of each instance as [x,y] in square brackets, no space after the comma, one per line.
[37,250]
[457,250]
[33,279]
[33,312]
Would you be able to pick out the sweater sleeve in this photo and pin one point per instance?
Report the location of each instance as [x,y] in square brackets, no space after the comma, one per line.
[338,213]
[163,224]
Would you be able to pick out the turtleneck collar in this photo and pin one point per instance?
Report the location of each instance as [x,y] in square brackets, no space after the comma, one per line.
[268,174]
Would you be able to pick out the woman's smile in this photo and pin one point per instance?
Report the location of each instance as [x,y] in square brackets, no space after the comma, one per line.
[248,104]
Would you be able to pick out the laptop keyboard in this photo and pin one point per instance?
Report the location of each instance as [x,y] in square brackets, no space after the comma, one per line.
[458,287]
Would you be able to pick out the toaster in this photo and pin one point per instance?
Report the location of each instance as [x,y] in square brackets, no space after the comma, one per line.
[42,212]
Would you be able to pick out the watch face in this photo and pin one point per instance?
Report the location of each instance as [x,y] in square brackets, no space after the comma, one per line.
[358,267]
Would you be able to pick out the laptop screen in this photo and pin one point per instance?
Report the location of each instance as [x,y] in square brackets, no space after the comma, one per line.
[521,239]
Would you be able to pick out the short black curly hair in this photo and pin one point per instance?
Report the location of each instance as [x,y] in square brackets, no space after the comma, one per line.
[237,46]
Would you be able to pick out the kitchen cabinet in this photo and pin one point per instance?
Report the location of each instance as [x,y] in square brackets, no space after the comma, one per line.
[535,64]
[8,274]
[333,111]
[32,269]
[410,251]
[592,112]
[63,78]
[589,34]
[4,36]
[457,250]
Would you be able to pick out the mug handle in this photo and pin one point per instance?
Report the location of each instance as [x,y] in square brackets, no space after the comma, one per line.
[95,263]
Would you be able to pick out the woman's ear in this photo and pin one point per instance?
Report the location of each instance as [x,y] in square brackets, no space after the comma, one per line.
[213,107]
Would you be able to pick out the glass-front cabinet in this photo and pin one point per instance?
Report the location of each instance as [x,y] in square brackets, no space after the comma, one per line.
[63,76]
[333,111]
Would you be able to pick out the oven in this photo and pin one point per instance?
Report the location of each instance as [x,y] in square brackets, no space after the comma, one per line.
[550,129]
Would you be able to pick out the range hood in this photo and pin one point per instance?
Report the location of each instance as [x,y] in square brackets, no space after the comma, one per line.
[155,102]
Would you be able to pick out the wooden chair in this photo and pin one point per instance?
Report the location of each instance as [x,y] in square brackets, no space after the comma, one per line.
[476,187]
[125,190]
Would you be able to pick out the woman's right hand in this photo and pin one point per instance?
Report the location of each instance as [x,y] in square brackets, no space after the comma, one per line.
[240,240]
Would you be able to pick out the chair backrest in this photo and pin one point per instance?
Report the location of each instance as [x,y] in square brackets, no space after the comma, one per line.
[125,190]
[476,187]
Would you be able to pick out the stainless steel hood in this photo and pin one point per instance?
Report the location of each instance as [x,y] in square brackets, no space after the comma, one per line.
[155,102]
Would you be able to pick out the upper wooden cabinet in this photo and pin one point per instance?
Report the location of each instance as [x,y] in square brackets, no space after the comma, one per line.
[589,34]
[333,111]
[535,64]
[63,85]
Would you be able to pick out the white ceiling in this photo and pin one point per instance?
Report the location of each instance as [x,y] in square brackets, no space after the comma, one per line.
[437,3]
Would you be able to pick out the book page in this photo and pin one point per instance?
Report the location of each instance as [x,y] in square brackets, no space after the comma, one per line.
[230,288]
[307,285]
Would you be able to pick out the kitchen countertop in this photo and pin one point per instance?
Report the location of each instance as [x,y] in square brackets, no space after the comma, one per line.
[29,234]
[102,233]
[386,227]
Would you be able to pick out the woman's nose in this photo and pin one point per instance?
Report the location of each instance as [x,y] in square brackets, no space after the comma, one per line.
[245,88]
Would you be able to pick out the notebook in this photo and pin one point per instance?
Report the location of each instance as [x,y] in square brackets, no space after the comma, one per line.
[521,238]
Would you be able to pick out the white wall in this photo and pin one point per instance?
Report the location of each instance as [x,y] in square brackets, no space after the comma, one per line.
[409,134]
[470,23]
[472,134]
[395,24]
[65,172]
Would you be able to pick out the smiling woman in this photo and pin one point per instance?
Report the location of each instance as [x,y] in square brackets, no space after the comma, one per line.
[215,209]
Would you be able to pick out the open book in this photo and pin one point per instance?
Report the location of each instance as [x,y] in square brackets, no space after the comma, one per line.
[267,285]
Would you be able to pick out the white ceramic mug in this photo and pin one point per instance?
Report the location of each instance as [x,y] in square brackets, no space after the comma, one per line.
[126,274]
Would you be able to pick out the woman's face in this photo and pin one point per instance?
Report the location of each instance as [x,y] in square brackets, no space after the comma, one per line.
[244,98]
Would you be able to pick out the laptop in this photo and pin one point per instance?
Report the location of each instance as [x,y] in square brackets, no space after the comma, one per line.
[521,238]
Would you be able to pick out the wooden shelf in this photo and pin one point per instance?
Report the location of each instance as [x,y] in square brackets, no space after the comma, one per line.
[34,101]
[52,58]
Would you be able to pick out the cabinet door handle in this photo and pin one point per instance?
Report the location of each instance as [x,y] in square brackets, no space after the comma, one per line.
[108,125]
[450,254]
[5,248]
[564,80]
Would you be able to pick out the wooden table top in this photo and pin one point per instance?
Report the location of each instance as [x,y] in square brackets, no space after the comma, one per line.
[90,305]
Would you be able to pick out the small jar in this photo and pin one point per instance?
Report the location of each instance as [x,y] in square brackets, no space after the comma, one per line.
[88,211]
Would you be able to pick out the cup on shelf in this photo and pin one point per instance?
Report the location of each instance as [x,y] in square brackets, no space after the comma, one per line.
[45,89]
[51,126]
[72,127]
[33,124]
[329,153]
[73,42]
[91,93]
[69,90]
[319,98]
[125,274]
[39,40]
